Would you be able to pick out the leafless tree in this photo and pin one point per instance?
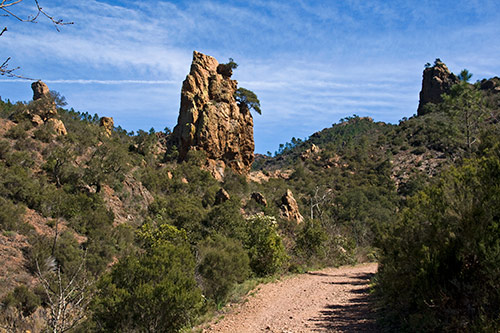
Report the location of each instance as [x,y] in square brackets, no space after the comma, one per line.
[7,8]
[68,296]
[317,200]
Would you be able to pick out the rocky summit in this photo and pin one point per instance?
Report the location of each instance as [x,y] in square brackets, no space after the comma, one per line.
[210,119]
[436,80]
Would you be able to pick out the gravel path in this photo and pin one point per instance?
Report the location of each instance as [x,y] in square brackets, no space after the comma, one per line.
[330,300]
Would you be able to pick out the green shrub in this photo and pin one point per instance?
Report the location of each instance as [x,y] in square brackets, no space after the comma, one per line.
[11,217]
[311,241]
[18,131]
[265,247]
[223,263]
[440,264]
[151,292]
[23,299]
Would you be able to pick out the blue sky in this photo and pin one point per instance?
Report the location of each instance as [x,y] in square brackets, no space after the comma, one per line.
[310,62]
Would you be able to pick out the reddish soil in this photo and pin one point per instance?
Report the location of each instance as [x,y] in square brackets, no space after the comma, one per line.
[330,300]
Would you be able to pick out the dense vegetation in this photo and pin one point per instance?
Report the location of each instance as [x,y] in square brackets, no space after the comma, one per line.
[139,243]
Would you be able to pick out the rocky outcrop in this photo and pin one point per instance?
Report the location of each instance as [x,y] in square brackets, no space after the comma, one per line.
[40,90]
[436,80]
[42,111]
[221,196]
[210,119]
[43,106]
[492,84]
[289,209]
[259,198]
[107,124]
[311,153]
[57,126]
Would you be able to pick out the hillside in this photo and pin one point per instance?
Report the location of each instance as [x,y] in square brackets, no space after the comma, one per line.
[133,228]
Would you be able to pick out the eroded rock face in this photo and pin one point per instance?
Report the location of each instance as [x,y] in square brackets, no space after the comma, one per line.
[289,208]
[436,80]
[107,124]
[210,119]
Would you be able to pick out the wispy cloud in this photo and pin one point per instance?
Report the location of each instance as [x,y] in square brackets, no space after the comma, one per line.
[310,62]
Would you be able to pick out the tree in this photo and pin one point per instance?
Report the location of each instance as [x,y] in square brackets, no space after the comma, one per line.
[247,99]
[68,296]
[6,6]
[465,105]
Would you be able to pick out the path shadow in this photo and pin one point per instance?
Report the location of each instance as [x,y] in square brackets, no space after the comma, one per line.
[354,316]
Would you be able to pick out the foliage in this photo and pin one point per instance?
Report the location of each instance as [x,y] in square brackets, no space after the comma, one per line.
[439,266]
[154,291]
[23,299]
[223,262]
[311,240]
[265,247]
[465,106]
[248,99]
[11,217]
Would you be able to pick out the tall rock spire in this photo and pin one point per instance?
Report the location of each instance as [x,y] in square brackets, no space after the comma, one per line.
[211,120]
[436,80]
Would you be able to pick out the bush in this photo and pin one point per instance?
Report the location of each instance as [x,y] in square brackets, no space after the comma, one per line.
[22,299]
[310,243]
[151,292]
[223,263]
[265,247]
[11,217]
[440,264]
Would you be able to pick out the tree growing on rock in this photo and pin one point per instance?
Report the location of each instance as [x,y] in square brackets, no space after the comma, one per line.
[247,99]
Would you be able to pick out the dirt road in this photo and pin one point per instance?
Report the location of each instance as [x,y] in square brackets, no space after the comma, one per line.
[330,300]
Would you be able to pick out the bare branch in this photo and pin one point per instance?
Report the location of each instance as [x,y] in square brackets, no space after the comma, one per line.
[5,3]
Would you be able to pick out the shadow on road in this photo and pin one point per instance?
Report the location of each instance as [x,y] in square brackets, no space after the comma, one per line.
[353,316]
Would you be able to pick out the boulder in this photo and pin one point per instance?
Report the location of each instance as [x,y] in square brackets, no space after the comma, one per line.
[259,198]
[289,209]
[57,125]
[436,80]
[221,196]
[107,124]
[40,90]
[211,120]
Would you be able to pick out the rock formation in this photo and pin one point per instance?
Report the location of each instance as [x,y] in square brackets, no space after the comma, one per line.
[289,208]
[436,80]
[57,126]
[492,84]
[221,196]
[40,90]
[45,106]
[43,110]
[107,124]
[211,120]
[259,198]
[311,153]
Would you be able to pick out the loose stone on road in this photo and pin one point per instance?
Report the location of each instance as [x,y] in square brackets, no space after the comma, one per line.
[330,300]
